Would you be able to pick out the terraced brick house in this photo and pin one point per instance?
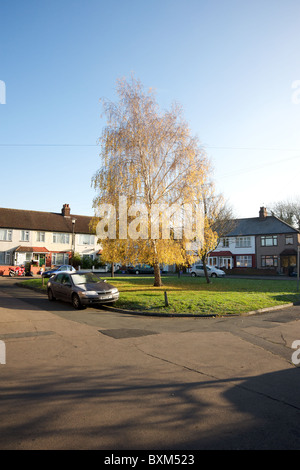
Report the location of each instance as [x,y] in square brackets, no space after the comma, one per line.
[44,239]
[264,242]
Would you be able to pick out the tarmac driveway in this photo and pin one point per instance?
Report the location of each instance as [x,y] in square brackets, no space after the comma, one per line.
[94,379]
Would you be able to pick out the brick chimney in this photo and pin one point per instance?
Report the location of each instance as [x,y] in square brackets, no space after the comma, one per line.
[66,210]
[263,213]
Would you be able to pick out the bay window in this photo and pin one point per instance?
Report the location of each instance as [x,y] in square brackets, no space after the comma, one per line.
[244,261]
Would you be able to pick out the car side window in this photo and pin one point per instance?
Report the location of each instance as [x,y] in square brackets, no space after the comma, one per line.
[66,279]
[59,278]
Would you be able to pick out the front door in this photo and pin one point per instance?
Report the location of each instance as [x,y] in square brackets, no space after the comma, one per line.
[42,260]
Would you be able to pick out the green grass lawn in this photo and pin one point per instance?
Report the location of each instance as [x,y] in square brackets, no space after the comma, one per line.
[195,296]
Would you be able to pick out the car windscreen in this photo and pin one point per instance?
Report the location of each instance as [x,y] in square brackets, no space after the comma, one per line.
[85,278]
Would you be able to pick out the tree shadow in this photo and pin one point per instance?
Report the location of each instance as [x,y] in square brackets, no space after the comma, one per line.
[126,409]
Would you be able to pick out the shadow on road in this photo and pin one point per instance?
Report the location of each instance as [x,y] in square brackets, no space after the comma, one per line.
[125,409]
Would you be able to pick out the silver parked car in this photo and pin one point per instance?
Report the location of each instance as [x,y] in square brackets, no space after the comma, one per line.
[81,289]
[198,270]
[58,269]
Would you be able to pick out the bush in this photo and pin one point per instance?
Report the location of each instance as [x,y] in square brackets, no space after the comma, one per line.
[85,262]
[75,260]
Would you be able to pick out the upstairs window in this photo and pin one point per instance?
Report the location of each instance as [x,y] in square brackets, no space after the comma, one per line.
[289,239]
[86,239]
[40,236]
[24,235]
[269,240]
[243,242]
[225,242]
[61,237]
[5,234]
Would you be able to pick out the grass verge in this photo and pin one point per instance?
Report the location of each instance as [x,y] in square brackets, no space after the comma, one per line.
[187,295]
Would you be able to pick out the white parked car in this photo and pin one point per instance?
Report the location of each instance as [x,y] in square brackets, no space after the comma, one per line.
[198,270]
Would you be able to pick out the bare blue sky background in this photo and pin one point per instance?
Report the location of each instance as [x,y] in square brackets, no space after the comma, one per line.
[230,64]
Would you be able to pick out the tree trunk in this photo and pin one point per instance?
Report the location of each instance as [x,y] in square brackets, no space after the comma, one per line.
[205,270]
[157,276]
[112,269]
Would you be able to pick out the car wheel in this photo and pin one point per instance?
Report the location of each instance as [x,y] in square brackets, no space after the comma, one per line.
[193,274]
[213,275]
[76,302]
[50,295]
[137,272]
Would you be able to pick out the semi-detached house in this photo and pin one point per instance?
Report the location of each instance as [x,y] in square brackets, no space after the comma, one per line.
[263,242]
[44,238]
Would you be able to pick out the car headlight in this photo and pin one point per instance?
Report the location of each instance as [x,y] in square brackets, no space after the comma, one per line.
[90,293]
[114,291]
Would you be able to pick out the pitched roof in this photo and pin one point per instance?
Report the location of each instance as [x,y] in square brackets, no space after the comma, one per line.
[32,249]
[258,226]
[43,221]
[220,253]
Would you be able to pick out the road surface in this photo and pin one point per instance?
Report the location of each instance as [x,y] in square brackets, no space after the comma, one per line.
[96,379]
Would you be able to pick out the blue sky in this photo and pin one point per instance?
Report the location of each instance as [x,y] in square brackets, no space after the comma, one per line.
[230,64]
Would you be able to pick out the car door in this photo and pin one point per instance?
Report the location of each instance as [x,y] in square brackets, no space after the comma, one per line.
[56,285]
[66,287]
[200,270]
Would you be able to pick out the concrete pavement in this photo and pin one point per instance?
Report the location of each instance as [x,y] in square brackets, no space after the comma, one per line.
[74,383]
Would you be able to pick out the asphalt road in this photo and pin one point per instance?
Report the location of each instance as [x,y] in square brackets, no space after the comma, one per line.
[96,379]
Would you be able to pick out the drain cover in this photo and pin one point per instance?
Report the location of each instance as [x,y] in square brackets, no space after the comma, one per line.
[126,333]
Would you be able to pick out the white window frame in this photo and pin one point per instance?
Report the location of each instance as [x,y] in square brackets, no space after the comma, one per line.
[86,239]
[5,234]
[40,236]
[65,258]
[212,260]
[6,257]
[61,237]
[244,261]
[225,242]
[88,256]
[243,242]
[25,235]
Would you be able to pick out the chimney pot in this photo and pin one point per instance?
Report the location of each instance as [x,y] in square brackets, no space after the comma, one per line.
[263,213]
[66,210]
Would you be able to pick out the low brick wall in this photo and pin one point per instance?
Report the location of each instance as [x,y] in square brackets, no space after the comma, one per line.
[4,269]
